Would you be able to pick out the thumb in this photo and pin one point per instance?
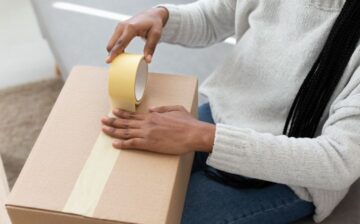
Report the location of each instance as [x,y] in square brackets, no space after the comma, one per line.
[164,109]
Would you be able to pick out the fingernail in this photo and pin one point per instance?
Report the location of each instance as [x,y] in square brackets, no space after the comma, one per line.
[117,142]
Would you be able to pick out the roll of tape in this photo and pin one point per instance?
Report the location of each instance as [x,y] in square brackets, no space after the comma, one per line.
[127,81]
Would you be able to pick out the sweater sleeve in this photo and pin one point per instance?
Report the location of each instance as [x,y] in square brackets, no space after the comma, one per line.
[199,24]
[330,161]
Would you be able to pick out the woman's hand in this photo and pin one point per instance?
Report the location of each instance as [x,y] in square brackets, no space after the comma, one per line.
[148,24]
[167,129]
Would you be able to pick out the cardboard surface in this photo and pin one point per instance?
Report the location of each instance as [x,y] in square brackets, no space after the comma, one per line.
[4,191]
[143,187]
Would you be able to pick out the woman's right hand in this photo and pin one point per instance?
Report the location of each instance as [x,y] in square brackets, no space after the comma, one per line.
[148,25]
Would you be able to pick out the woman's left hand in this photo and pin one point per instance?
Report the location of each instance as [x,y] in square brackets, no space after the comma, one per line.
[166,129]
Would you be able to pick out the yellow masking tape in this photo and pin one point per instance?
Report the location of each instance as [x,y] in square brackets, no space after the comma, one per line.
[93,177]
[127,82]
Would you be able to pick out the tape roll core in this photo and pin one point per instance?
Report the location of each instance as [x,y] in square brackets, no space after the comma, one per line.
[141,79]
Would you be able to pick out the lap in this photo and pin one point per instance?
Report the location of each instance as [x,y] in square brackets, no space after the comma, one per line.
[209,201]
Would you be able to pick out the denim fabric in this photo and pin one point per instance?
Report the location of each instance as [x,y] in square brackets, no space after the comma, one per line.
[209,201]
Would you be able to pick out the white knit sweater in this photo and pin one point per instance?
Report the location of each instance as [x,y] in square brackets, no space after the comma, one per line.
[251,93]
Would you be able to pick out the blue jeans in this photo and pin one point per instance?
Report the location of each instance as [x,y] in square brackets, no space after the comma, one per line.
[212,201]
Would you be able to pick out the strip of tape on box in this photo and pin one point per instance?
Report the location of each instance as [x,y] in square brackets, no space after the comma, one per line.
[127,84]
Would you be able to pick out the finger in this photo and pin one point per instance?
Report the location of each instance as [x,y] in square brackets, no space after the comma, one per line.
[117,33]
[153,37]
[163,109]
[120,45]
[134,143]
[120,123]
[128,115]
[122,133]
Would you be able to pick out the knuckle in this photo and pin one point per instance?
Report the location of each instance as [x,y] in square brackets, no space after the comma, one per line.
[156,33]
[124,123]
[117,145]
[120,25]
[151,48]
[131,26]
[122,113]
[108,48]
[117,133]
[119,41]
[118,46]
[126,133]
[127,115]
[132,115]
[124,144]
[132,143]
[111,130]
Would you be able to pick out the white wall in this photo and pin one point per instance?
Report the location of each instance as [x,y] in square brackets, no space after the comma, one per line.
[24,55]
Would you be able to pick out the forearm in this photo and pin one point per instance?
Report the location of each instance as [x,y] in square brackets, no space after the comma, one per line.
[199,24]
[319,163]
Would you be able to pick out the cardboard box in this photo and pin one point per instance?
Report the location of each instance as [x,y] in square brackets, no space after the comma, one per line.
[143,187]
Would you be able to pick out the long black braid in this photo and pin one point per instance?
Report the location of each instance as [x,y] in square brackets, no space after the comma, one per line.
[320,83]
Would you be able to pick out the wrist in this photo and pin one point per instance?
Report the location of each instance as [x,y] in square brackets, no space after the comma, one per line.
[203,136]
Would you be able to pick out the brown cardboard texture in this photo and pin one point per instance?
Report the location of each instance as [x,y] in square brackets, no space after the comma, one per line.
[143,187]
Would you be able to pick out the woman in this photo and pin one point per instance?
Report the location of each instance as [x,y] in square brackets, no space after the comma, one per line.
[280,139]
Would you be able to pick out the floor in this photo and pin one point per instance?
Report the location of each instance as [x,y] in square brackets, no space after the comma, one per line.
[25,56]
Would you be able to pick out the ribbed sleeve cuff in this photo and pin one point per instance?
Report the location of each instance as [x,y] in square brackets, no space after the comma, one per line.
[231,145]
[173,24]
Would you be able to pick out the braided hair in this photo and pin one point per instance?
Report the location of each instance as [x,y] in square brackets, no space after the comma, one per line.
[320,83]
